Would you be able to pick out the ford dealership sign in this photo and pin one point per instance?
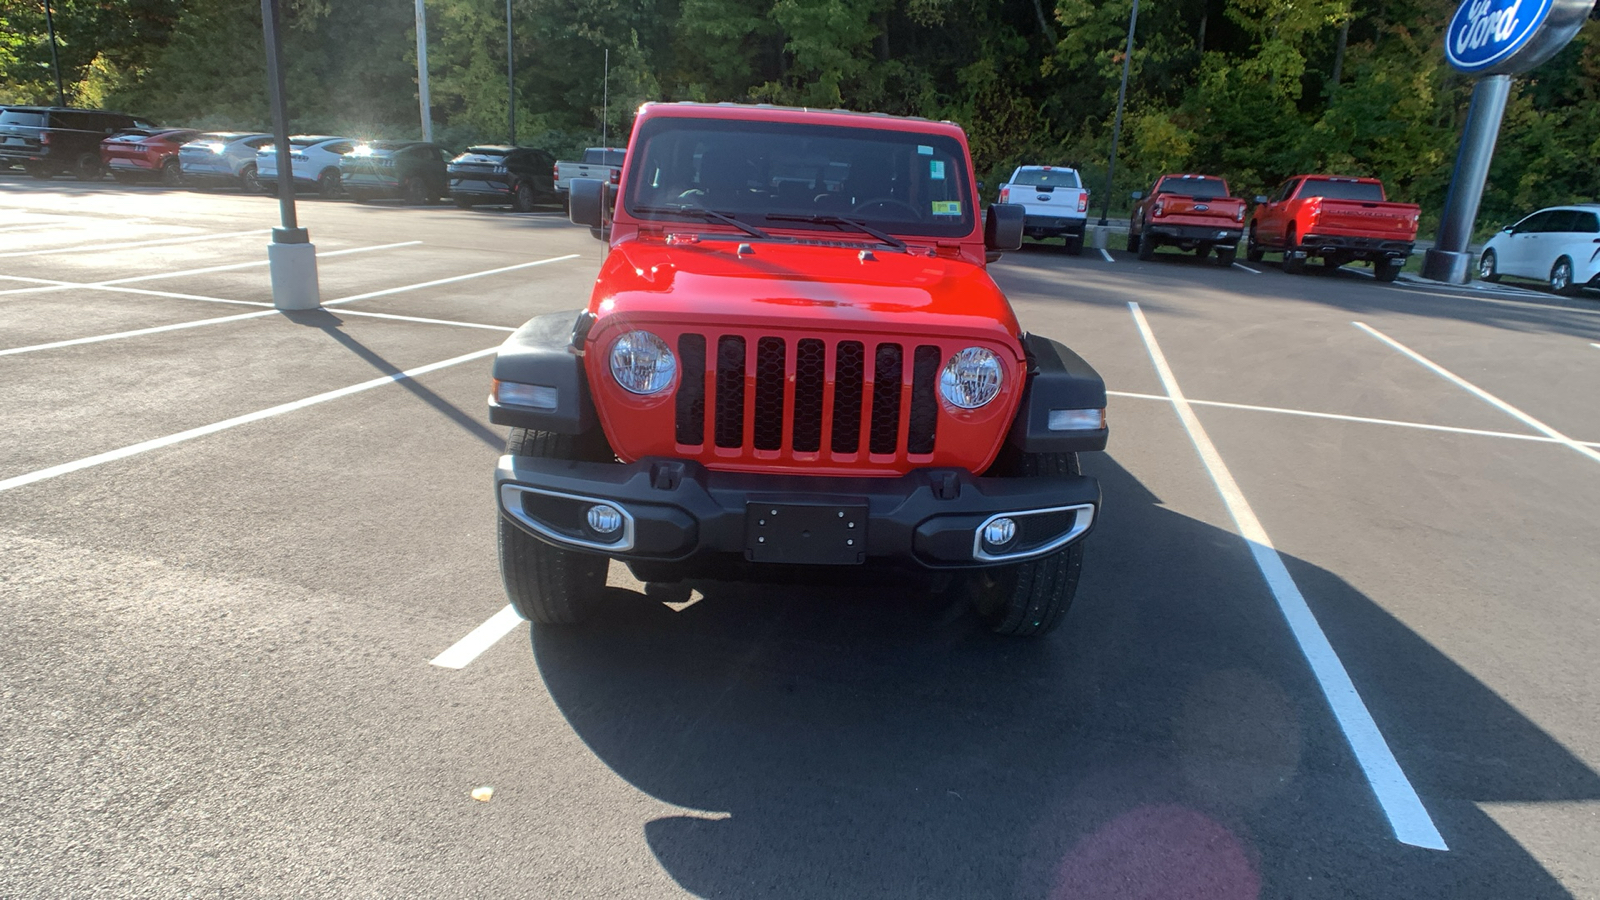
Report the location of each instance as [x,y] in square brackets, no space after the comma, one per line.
[1504,37]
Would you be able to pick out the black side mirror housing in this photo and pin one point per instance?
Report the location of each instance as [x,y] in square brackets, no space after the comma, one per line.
[586,201]
[1137,195]
[1002,226]
[1261,198]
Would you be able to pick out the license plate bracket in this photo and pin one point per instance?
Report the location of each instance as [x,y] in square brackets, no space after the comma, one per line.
[818,534]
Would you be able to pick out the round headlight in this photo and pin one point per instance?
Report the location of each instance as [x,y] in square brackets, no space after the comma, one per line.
[642,363]
[971,378]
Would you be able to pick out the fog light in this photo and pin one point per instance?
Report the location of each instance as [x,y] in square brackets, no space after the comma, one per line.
[604,519]
[1077,419]
[999,532]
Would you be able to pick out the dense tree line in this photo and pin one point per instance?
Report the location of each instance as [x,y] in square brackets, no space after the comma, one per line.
[1255,90]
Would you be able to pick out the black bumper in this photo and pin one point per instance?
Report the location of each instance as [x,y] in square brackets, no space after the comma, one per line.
[1053,226]
[481,189]
[678,511]
[1199,234]
[1357,247]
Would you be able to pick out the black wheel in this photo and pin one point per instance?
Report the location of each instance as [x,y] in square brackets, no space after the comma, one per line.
[247,177]
[1387,269]
[523,199]
[463,203]
[1252,250]
[1133,242]
[88,168]
[43,173]
[171,175]
[1202,251]
[1147,248]
[566,204]
[1028,598]
[1226,256]
[546,584]
[414,192]
[328,184]
[1561,277]
[1073,245]
[1294,260]
[1489,267]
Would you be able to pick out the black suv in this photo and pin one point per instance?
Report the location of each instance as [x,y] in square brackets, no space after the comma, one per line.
[497,174]
[58,140]
[410,170]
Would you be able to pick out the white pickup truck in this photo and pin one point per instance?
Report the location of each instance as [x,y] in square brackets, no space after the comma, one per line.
[603,163]
[1057,203]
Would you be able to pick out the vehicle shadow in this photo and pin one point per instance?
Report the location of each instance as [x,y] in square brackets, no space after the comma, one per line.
[1169,741]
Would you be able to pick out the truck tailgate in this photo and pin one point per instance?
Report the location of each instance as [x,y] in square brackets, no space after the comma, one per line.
[1229,209]
[1396,221]
[1049,201]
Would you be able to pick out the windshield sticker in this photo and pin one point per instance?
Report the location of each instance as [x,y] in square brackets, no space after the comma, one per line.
[936,169]
[924,150]
[947,207]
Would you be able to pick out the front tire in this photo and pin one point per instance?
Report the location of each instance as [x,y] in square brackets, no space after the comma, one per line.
[89,168]
[247,178]
[1226,256]
[1561,278]
[1133,242]
[1147,247]
[171,175]
[1028,598]
[1489,267]
[1252,250]
[546,584]
[414,192]
[328,184]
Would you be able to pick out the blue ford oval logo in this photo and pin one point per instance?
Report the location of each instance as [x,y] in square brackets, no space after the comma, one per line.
[1484,33]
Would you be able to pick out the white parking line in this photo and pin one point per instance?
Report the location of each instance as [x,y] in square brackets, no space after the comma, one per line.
[1361,419]
[1240,265]
[1107,254]
[1401,805]
[427,284]
[132,244]
[282,408]
[68,285]
[1480,393]
[478,640]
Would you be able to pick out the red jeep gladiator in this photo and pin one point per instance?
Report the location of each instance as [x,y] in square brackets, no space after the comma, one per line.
[1338,219]
[794,366]
[1190,212]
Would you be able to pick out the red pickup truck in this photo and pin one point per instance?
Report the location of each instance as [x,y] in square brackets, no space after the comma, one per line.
[1335,218]
[1190,212]
[794,366]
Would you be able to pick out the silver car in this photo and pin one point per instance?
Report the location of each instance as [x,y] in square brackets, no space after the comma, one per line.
[222,158]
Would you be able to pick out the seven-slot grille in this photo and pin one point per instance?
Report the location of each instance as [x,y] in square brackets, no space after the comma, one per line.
[837,395]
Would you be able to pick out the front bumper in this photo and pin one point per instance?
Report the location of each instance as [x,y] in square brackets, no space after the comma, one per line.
[677,511]
[1361,247]
[1053,226]
[1199,234]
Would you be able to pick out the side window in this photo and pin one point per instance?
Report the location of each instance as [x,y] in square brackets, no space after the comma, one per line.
[1287,191]
[339,147]
[258,143]
[1587,223]
[1533,223]
[1558,221]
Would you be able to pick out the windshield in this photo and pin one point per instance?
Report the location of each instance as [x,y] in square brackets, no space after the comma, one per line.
[898,182]
[1343,190]
[1047,178]
[26,118]
[1198,188]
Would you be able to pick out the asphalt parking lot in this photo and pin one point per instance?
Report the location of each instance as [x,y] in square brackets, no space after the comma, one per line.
[1335,637]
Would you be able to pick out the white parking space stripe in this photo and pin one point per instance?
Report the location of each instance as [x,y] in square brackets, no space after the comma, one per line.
[426,284]
[82,248]
[478,640]
[64,285]
[1361,419]
[1107,254]
[1480,393]
[1239,265]
[1401,805]
[282,408]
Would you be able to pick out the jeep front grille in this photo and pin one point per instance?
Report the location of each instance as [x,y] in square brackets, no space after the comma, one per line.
[753,407]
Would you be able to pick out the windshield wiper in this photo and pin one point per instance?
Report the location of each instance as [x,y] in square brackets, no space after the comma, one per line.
[700,212]
[857,224]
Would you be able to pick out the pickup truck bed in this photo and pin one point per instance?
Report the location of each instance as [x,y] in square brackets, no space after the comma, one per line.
[1338,219]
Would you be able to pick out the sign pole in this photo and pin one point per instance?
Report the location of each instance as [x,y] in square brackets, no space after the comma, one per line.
[422,72]
[291,257]
[1449,260]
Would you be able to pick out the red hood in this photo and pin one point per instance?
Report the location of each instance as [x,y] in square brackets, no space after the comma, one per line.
[802,285]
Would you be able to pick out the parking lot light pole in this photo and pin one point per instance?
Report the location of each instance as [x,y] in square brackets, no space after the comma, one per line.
[291,257]
[1116,128]
[55,62]
[511,81]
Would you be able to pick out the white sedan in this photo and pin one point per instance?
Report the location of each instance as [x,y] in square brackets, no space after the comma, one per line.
[313,159]
[1559,246]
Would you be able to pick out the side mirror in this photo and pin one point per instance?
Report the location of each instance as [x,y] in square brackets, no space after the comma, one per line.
[1261,198]
[1002,226]
[586,201]
[1137,195]
[1507,229]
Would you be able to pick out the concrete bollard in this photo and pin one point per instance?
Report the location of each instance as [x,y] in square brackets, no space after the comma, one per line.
[293,268]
